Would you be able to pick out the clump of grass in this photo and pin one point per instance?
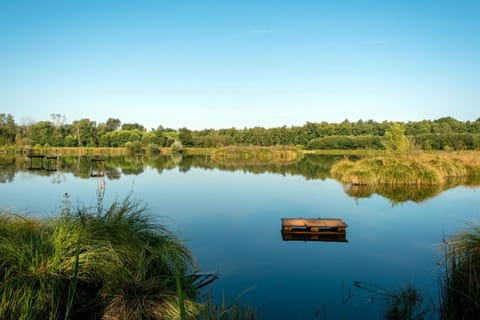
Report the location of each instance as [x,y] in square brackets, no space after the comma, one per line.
[397,171]
[405,303]
[226,311]
[96,263]
[460,290]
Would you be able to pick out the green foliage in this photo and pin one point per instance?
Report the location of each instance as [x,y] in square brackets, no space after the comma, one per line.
[455,141]
[177,147]
[346,143]
[396,142]
[116,262]
[399,171]
[185,137]
[134,147]
[441,134]
[7,129]
[133,126]
[460,296]
[226,311]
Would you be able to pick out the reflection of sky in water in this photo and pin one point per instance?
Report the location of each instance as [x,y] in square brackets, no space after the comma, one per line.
[231,222]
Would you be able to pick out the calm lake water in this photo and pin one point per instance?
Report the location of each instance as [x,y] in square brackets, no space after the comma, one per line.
[230,218]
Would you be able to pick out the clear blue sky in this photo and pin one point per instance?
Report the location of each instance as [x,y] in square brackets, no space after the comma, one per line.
[217,64]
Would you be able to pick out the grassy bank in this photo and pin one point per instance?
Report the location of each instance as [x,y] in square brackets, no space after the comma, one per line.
[421,169]
[100,263]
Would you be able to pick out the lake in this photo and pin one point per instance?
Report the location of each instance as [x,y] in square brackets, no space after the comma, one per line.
[229,215]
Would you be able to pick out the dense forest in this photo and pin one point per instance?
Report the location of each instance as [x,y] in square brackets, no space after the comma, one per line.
[442,134]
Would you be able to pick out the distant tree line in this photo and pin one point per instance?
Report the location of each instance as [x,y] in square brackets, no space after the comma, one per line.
[442,134]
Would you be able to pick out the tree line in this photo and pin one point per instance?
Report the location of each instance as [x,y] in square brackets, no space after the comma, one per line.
[444,133]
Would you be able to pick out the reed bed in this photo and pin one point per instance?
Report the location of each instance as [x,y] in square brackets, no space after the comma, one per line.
[226,311]
[95,263]
[460,290]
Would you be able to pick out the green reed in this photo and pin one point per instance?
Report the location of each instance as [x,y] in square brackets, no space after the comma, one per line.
[460,290]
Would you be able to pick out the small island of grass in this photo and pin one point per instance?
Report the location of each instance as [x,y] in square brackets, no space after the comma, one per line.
[418,170]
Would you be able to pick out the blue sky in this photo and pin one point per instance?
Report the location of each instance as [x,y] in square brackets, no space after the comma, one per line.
[218,64]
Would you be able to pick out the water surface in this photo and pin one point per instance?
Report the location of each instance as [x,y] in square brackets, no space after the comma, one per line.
[229,216]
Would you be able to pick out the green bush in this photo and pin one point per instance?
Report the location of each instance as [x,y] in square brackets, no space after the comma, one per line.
[346,143]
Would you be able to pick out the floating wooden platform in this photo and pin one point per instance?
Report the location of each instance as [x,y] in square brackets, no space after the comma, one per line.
[320,229]
[313,225]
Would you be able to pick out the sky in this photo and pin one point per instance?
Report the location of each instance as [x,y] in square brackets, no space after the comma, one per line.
[221,64]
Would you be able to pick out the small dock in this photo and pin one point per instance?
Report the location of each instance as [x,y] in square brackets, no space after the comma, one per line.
[321,229]
[51,162]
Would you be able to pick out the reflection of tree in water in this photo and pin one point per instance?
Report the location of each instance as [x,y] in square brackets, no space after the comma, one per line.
[310,167]
[7,169]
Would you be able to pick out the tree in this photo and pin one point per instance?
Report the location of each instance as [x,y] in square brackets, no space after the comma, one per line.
[396,142]
[112,124]
[7,129]
[40,133]
[133,126]
[85,132]
[185,136]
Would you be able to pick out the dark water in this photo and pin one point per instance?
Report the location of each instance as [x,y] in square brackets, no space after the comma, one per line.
[229,215]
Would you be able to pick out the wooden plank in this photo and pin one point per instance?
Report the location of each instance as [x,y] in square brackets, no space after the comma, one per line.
[313,223]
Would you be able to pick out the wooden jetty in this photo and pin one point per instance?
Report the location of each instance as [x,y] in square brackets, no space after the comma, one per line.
[321,229]
[51,162]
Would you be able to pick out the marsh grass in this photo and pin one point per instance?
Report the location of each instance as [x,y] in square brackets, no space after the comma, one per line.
[460,290]
[405,303]
[226,311]
[96,263]
[423,170]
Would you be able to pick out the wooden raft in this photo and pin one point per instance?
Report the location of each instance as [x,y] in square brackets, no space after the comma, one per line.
[313,225]
[320,229]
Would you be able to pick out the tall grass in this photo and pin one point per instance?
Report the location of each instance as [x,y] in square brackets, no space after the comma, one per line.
[226,311]
[95,263]
[460,290]
[397,171]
